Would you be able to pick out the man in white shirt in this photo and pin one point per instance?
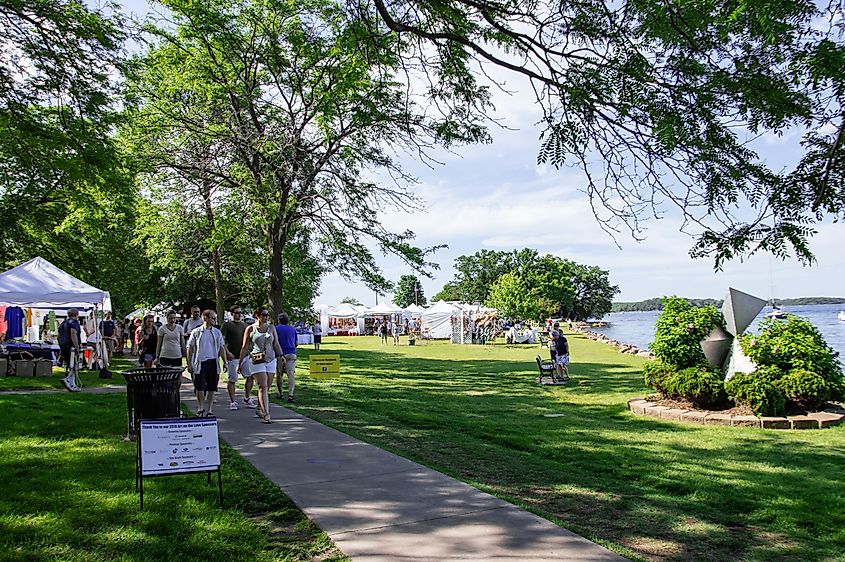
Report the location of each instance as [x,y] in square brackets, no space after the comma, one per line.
[205,348]
[192,323]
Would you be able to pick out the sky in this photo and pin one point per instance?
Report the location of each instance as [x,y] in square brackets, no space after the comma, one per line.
[496,197]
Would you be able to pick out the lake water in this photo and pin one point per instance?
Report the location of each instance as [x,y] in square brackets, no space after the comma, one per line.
[637,328]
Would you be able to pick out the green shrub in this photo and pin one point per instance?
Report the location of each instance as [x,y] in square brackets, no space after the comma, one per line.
[756,391]
[804,388]
[793,343]
[679,330]
[657,375]
[700,385]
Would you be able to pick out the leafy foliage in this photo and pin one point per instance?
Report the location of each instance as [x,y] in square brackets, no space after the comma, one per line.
[550,286]
[756,391]
[654,101]
[700,385]
[409,291]
[657,375]
[511,296]
[679,330]
[796,361]
[294,116]
[792,343]
[805,388]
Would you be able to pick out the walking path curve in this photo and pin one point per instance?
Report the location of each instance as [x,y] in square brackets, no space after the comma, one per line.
[377,506]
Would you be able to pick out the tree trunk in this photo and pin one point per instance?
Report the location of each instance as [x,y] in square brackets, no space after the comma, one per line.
[276,238]
[215,253]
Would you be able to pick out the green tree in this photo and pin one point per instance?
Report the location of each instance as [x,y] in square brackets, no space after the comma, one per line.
[593,293]
[351,300]
[305,114]
[511,296]
[409,291]
[655,102]
[449,292]
[65,192]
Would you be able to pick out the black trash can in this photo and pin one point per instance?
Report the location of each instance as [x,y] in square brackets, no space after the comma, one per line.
[151,394]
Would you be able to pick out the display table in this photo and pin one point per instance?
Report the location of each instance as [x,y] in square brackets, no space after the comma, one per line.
[304,339]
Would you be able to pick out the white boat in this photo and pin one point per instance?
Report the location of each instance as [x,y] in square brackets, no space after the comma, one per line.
[841,315]
[776,313]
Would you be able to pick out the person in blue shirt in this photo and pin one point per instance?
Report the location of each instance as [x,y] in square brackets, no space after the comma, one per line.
[287,339]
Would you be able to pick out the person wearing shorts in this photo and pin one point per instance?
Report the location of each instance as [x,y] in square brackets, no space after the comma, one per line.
[318,334]
[561,354]
[205,348]
[287,341]
[261,345]
[233,334]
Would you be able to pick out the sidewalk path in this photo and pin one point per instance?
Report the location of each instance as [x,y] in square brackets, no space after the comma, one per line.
[377,506]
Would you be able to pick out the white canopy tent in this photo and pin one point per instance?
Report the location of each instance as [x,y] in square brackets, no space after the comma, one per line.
[414,311]
[40,284]
[383,309]
[437,319]
[344,312]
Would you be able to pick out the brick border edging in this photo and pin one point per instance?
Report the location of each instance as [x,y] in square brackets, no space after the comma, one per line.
[815,420]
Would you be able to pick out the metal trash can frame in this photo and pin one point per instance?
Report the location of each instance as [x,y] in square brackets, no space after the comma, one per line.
[151,394]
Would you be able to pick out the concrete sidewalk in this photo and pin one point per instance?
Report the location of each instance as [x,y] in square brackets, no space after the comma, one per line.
[377,506]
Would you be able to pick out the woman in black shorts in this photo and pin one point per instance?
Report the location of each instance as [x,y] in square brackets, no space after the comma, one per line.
[147,342]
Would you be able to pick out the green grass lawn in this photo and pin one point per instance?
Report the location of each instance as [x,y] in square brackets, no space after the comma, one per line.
[69,494]
[650,489]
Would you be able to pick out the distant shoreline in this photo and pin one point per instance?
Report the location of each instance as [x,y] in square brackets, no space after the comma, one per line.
[656,303]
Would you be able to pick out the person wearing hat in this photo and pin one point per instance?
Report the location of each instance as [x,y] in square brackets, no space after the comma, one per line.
[560,353]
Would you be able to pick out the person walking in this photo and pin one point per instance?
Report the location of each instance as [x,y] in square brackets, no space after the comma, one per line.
[317,330]
[171,343]
[69,347]
[147,338]
[233,335]
[395,330]
[205,348]
[192,323]
[94,338]
[108,329]
[287,341]
[136,329]
[382,332]
[261,345]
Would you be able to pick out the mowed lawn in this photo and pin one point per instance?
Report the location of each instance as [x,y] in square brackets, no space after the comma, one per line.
[69,494]
[649,489]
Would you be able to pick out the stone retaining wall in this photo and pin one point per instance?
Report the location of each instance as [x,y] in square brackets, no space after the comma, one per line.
[583,328]
[816,420]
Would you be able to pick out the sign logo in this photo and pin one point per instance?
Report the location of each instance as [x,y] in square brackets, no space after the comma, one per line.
[325,366]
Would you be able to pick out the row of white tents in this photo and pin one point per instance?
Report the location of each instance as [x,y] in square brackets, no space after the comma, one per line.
[435,320]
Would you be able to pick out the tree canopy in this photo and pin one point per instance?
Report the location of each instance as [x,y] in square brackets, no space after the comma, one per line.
[659,104]
[524,284]
[409,291]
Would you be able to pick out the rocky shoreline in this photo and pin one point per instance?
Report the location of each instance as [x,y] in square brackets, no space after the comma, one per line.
[622,347]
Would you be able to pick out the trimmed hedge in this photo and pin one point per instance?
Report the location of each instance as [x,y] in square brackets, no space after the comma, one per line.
[756,391]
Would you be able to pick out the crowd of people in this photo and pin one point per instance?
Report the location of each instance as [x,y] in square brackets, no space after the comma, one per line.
[259,352]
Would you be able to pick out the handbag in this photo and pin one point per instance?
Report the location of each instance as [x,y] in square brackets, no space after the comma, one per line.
[257,357]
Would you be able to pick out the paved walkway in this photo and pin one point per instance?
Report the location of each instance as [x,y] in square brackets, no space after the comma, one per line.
[377,506]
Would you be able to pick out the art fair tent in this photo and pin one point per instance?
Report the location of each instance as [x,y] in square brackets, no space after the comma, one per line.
[438,319]
[40,284]
[348,316]
[414,311]
[383,309]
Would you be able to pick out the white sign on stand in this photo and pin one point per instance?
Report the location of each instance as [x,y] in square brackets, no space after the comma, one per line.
[179,446]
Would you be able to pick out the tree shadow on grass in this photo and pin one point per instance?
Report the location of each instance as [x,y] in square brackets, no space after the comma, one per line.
[69,493]
[665,490]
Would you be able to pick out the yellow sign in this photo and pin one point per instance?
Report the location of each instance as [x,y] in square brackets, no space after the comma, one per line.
[325,366]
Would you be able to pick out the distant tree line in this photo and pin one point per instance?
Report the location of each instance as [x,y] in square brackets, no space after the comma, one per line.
[524,284]
[657,303]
